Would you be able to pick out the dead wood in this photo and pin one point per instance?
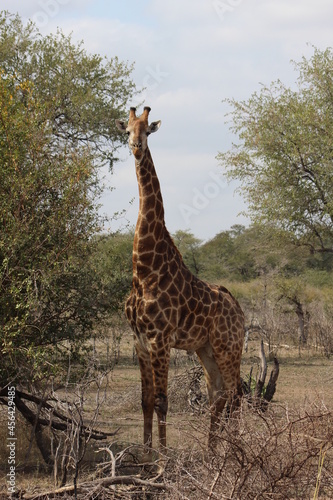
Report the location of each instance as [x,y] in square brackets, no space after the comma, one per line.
[271,386]
[52,418]
[261,396]
[262,373]
[41,415]
[92,487]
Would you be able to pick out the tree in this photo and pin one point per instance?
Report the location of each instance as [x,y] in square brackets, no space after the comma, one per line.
[82,94]
[57,110]
[284,159]
[298,295]
[231,254]
[188,245]
[113,263]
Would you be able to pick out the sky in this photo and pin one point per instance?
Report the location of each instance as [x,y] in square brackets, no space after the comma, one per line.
[189,55]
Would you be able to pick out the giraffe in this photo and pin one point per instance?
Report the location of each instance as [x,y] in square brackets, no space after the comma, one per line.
[169,307]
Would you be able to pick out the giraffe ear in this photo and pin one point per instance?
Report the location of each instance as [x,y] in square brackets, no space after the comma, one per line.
[154,126]
[121,125]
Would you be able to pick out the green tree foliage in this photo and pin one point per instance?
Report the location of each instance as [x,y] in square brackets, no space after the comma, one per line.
[188,245]
[57,108]
[284,157]
[231,254]
[82,94]
[246,253]
[112,261]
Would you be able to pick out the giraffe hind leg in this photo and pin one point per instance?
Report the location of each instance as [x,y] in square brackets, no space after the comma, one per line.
[216,390]
[228,361]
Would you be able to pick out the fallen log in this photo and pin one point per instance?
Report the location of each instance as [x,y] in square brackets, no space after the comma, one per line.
[92,487]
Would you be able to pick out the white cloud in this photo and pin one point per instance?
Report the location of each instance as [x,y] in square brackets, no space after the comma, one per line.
[43,12]
[181,12]
[296,12]
[25,9]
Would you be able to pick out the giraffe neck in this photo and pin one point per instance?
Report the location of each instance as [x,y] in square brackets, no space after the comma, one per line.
[151,236]
[151,201]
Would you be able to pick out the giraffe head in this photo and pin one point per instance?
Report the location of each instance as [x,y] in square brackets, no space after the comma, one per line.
[138,130]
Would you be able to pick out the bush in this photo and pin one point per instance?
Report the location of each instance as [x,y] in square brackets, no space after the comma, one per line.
[281,454]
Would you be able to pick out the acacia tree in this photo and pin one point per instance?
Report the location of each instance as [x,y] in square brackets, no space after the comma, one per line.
[57,110]
[284,158]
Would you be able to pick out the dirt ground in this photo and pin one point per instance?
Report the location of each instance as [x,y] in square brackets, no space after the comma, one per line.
[305,379]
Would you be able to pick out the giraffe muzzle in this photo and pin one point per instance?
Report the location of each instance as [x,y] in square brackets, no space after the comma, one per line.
[137,150]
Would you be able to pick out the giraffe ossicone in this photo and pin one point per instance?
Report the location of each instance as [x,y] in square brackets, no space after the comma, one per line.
[169,307]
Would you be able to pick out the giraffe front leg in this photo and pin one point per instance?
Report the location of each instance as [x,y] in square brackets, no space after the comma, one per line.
[160,365]
[161,408]
[147,401]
